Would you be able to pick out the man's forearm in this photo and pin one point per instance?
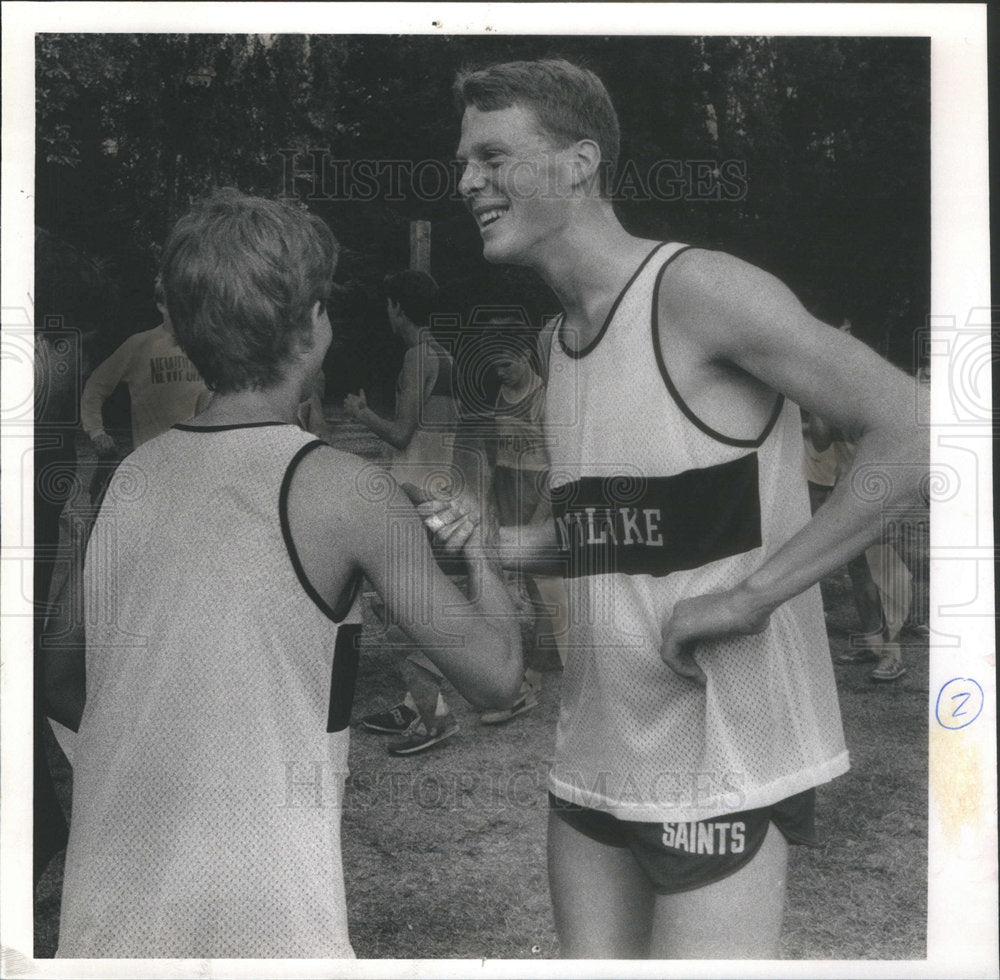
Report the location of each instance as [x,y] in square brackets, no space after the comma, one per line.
[848,522]
[91,402]
[531,548]
[490,595]
[396,433]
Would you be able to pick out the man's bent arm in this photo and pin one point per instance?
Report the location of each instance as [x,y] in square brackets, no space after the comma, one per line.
[746,317]
[101,383]
[399,431]
[396,432]
[477,645]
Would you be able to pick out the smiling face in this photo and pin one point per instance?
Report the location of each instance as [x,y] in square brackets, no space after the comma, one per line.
[515,181]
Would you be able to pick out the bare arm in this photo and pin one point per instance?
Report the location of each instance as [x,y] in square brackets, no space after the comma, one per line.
[398,431]
[101,383]
[344,520]
[749,319]
[531,548]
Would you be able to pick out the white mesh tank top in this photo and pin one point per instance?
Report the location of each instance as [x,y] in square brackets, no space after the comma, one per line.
[652,506]
[211,757]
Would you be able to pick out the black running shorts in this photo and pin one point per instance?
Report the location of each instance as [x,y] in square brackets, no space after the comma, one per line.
[677,857]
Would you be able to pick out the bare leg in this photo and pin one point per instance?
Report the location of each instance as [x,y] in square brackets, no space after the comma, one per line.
[602,902]
[424,687]
[738,917]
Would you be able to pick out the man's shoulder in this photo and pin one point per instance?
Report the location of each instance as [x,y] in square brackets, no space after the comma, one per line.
[705,272]
[717,299]
[417,359]
[157,334]
[344,496]
[332,471]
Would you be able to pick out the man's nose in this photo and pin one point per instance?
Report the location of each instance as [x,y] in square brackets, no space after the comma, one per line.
[471,180]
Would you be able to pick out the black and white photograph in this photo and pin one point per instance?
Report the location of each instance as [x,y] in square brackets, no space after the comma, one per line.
[497,490]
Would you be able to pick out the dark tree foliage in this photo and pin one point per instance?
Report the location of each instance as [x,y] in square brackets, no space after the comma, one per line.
[808,156]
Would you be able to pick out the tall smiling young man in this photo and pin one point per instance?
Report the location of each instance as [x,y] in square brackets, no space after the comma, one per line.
[699,709]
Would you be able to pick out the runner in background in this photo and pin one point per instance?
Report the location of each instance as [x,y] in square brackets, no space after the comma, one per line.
[164,387]
[422,435]
[520,490]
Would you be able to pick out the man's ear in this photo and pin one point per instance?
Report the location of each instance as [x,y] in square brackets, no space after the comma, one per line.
[306,342]
[586,164]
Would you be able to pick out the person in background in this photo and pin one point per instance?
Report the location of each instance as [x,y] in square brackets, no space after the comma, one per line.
[520,491]
[421,434]
[164,388]
[880,581]
[73,294]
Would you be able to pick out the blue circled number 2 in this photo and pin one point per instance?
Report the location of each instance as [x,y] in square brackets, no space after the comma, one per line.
[959,703]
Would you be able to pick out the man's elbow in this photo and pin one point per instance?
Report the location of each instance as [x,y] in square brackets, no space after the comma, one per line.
[400,438]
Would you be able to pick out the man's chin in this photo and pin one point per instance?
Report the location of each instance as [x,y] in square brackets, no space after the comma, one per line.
[496,253]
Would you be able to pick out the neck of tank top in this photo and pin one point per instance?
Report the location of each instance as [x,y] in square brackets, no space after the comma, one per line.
[592,344]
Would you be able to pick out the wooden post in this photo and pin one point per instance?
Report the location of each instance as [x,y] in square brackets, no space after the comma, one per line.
[420,246]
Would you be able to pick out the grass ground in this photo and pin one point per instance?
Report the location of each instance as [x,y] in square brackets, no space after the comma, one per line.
[444,853]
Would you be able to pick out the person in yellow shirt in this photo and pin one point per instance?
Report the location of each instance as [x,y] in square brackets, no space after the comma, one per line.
[164,386]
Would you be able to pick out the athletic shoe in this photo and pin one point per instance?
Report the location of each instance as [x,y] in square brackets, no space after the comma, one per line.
[526,700]
[395,721]
[857,655]
[418,738]
[890,664]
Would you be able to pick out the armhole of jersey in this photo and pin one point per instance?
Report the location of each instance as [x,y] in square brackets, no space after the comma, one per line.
[676,395]
[545,349]
[346,599]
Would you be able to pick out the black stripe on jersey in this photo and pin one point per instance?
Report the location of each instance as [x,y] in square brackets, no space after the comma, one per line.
[658,524]
[343,676]
[676,395]
[577,354]
[346,599]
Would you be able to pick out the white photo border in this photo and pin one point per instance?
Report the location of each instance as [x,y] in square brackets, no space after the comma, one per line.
[961,936]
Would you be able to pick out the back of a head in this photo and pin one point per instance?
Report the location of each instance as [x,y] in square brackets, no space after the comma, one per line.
[416,293]
[570,102]
[241,276]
